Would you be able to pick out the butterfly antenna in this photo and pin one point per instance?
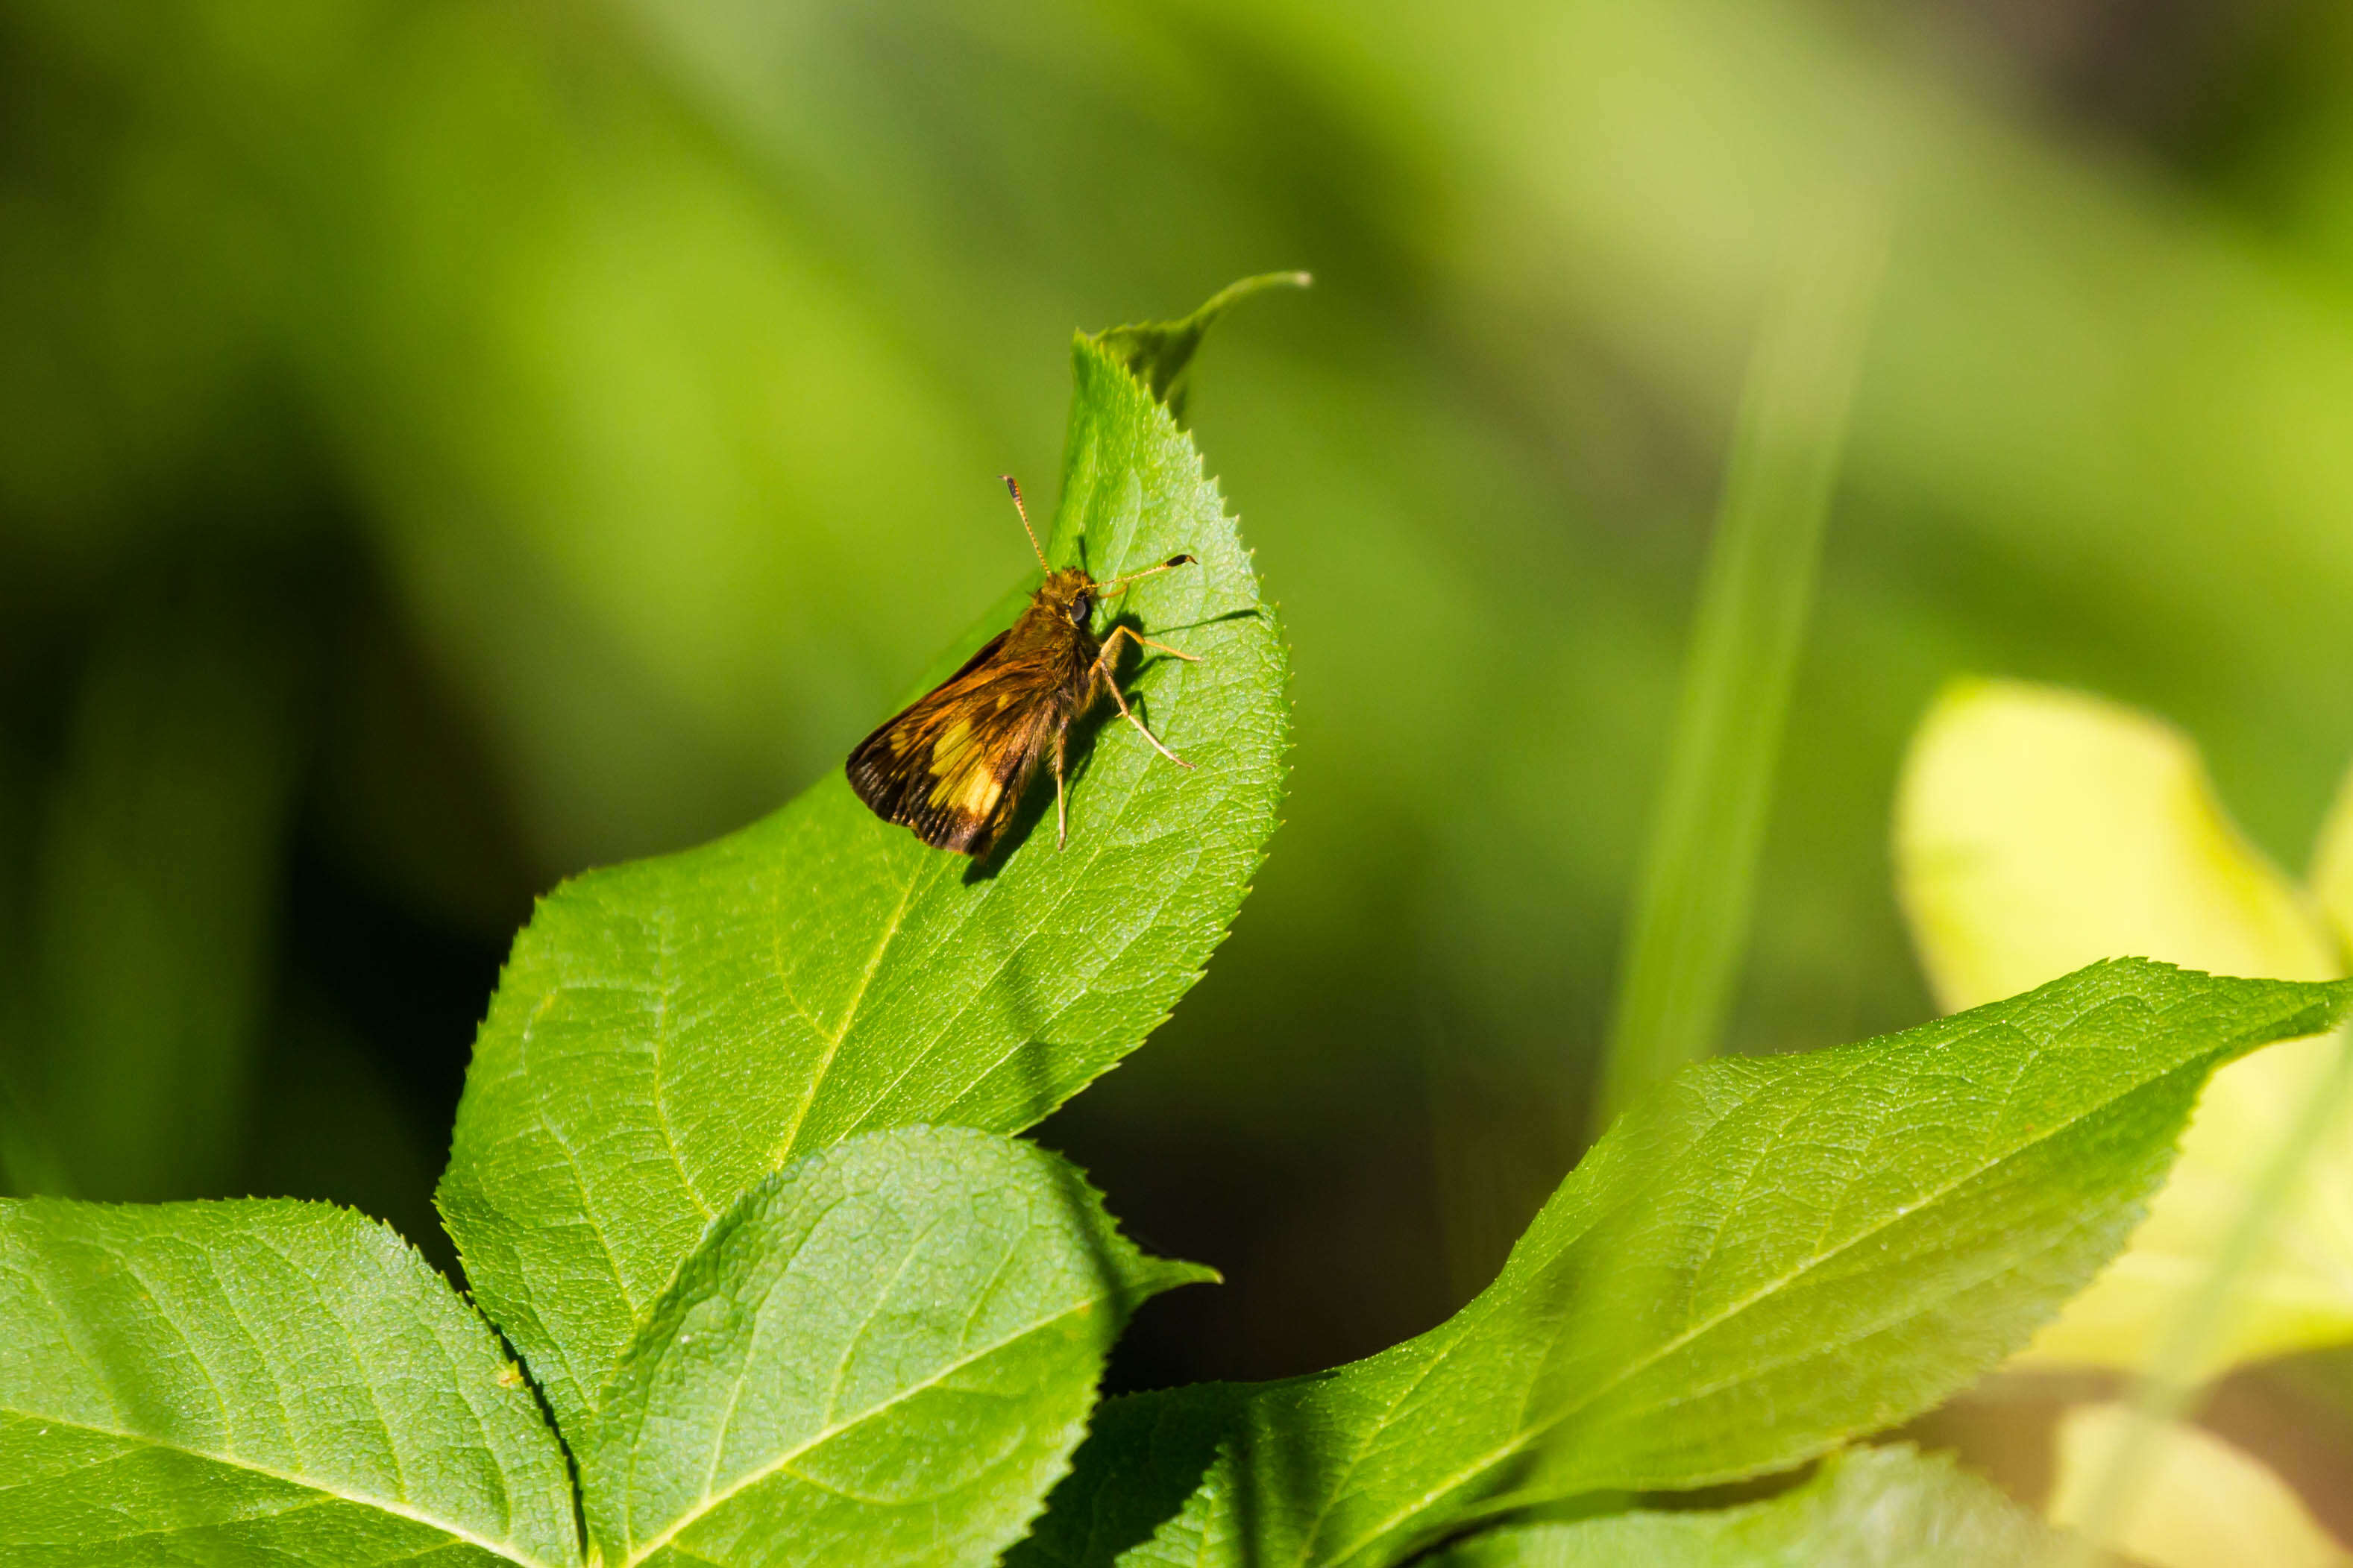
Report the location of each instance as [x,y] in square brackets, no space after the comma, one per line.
[1013,486]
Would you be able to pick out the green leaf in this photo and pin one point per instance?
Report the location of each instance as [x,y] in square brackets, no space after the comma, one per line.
[1769,1258]
[1866,1507]
[885,1353]
[1160,353]
[257,1381]
[669,1032]
[2039,828]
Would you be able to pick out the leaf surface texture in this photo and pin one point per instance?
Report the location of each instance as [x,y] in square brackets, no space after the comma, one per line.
[884,1354]
[2038,829]
[258,1381]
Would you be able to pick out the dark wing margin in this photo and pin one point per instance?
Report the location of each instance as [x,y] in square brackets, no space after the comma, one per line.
[952,766]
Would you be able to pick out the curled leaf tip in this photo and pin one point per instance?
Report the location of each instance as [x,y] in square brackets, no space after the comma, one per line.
[1160,353]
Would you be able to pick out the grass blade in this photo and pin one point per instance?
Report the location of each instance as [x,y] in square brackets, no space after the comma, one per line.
[1690,916]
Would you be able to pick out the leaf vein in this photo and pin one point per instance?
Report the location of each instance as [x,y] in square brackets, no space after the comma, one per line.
[849,1012]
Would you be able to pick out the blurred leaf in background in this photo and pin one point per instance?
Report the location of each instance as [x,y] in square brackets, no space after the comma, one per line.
[2205,1504]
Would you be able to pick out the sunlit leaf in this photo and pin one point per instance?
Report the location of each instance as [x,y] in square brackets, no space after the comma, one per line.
[257,1381]
[1772,1256]
[885,1354]
[1866,1507]
[667,1033]
[2039,829]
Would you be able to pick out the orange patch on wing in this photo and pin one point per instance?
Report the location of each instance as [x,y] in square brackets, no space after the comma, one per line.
[968,783]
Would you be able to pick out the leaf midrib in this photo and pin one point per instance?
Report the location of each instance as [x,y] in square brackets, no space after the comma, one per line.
[890,929]
[382,1505]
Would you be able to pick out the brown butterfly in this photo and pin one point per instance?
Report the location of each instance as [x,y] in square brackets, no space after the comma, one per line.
[952,767]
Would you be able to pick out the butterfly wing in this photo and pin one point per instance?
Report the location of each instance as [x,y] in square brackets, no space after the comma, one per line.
[951,766]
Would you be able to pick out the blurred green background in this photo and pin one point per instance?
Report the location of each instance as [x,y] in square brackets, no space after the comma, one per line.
[446,445]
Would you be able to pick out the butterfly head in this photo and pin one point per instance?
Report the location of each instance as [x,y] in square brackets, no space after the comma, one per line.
[1070,593]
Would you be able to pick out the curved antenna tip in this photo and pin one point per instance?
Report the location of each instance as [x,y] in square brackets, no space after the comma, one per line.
[1014,488]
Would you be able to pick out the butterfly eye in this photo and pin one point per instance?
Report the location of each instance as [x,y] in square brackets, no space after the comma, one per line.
[1082,609]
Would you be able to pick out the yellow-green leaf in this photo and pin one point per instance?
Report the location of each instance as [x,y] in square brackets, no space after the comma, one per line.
[2332,863]
[2038,831]
[2201,1502]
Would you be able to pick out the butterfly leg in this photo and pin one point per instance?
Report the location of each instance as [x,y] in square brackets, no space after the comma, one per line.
[1061,813]
[1102,673]
[1131,634]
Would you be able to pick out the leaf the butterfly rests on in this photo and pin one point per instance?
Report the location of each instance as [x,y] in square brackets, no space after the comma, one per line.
[668,1033]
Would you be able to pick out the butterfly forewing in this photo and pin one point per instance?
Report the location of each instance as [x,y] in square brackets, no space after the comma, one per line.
[952,766]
